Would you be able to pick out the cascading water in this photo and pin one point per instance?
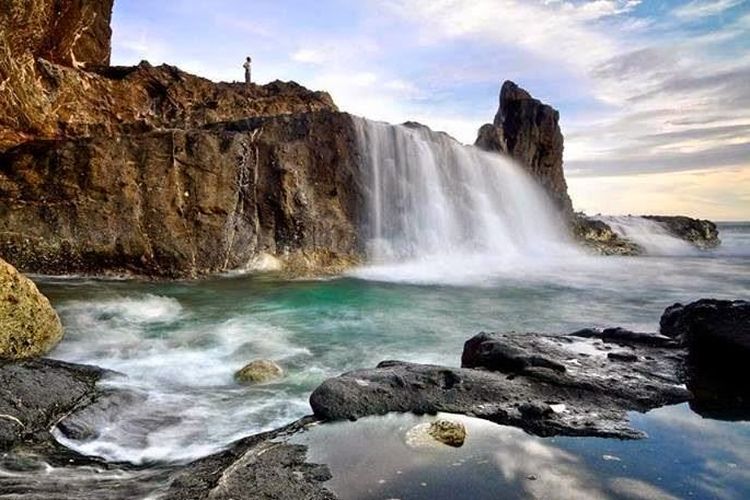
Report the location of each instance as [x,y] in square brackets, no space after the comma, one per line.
[438,205]
[652,236]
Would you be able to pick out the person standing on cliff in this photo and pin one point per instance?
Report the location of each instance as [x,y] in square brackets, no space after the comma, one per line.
[247,65]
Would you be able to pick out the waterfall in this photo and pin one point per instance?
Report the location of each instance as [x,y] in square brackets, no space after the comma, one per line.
[649,234]
[433,200]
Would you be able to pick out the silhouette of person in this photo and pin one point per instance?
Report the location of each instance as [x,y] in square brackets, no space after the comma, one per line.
[247,65]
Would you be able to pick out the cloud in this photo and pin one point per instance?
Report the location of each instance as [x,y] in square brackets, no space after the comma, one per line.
[704,8]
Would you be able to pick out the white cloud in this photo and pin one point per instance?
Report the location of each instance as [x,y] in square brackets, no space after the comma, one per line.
[704,8]
[310,56]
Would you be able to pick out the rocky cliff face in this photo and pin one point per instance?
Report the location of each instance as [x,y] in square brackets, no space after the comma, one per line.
[154,171]
[73,33]
[185,202]
[528,130]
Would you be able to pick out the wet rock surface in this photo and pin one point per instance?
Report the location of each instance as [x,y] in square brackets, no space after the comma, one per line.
[36,394]
[545,384]
[700,233]
[717,336]
[261,466]
[600,237]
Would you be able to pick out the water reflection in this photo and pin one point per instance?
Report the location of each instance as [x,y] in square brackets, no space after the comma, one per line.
[685,456]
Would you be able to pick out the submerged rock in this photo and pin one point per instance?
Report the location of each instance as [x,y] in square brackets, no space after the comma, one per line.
[448,432]
[259,371]
[29,326]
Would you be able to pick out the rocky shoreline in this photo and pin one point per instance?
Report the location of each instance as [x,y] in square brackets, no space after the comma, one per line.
[579,384]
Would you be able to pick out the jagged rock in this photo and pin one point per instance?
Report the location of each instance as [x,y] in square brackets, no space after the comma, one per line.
[599,237]
[130,100]
[36,394]
[29,326]
[259,371]
[528,130]
[494,353]
[75,33]
[543,400]
[700,233]
[448,432]
[183,203]
[260,466]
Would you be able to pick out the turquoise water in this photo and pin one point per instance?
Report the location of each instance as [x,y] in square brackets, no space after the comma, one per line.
[178,344]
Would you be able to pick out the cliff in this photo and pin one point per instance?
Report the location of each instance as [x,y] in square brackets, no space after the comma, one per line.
[154,171]
[529,131]
[73,33]
[182,202]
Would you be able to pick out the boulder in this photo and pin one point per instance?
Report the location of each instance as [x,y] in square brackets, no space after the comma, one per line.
[528,131]
[448,432]
[259,371]
[717,372]
[29,326]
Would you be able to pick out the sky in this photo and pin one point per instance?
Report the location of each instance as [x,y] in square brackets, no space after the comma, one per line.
[654,96]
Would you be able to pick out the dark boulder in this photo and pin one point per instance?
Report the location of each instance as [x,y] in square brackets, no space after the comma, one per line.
[717,336]
[545,384]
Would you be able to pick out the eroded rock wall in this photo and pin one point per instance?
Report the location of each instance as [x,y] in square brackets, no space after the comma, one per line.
[528,130]
[183,203]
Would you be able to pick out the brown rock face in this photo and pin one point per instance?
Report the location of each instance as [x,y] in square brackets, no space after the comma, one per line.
[74,33]
[29,326]
[528,130]
[62,102]
[183,203]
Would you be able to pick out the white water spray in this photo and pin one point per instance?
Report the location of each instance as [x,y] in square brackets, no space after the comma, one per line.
[444,207]
[649,234]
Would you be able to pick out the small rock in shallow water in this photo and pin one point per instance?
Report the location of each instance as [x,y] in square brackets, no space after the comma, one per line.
[448,432]
[261,370]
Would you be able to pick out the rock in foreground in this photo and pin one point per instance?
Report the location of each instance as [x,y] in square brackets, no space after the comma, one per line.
[36,394]
[29,326]
[544,384]
[717,336]
[448,432]
[260,466]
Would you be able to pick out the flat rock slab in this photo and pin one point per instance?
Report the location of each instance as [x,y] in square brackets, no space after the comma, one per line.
[545,384]
[36,394]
